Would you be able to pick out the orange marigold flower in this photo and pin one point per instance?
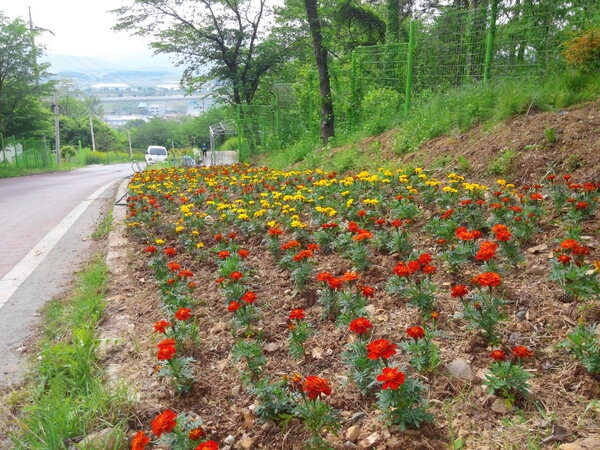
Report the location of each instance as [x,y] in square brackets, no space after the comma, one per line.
[220,280]
[243,253]
[296,314]
[463,234]
[275,231]
[459,291]
[391,378]
[401,269]
[415,332]
[353,227]
[335,283]
[232,235]
[564,259]
[324,276]
[290,244]
[151,249]
[165,422]
[413,266]
[396,223]
[185,273]
[139,441]
[218,237]
[303,254]
[521,352]
[166,349]
[367,291]
[249,297]
[196,434]
[487,250]
[350,276]
[381,348]
[362,235]
[488,279]
[161,326]
[425,259]
[223,254]
[170,251]
[235,276]
[428,269]
[233,306]
[360,325]
[173,266]
[315,387]
[498,355]
[207,445]
[183,313]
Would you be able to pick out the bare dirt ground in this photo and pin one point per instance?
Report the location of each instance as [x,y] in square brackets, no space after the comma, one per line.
[565,397]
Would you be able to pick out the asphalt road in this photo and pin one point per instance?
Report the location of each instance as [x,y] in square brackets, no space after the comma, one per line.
[44,237]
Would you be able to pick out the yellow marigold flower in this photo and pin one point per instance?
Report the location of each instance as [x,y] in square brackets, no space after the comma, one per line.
[243,216]
[195,232]
[159,241]
[403,179]
[349,202]
[413,191]
[272,224]
[345,193]
[179,229]
[418,170]
[501,182]
[264,194]
[259,213]
[133,224]
[370,201]
[510,186]
[199,245]
[449,189]
[210,202]
[297,224]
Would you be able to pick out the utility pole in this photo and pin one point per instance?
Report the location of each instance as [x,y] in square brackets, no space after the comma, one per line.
[56,110]
[92,135]
[129,139]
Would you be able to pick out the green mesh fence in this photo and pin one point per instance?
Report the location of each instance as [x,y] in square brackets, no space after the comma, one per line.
[26,153]
[450,48]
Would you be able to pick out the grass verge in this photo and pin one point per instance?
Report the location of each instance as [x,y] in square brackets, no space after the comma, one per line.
[64,401]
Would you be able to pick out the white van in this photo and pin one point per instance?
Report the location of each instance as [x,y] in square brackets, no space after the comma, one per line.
[156,154]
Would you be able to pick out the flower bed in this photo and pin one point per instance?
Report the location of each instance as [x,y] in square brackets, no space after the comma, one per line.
[312,310]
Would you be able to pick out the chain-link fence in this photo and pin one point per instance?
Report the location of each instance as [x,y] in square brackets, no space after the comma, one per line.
[26,153]
[446,48]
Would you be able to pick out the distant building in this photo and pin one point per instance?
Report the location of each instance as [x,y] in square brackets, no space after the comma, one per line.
[121,120]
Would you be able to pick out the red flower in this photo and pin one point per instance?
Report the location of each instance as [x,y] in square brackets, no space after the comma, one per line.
[290,244]
[425,259]
[315,386]
[381,348]
[361,325]
[183,314]
[487,250]
[324,276]
[581,205]
[139,441]
[564,259]
[303,254]
[161,326]
[459,291]
[196,434]
[173,266]
[401,270]
[391,378]
[232,235]
[218,237]
[498,355]
[413,266]
[219,280]
[233,306]
[362,235]
[164,422]
[207,445]
[151,249]
[335,283]
[489,279]
[170,251]
[367,291]
[185,273]
[235,276]
[249,297]
[521,352]
[223,254]
[428,269]
[501,232]
[296,314]
[275,231]
[415,332]
[312,246]
[166,349]
[243,253]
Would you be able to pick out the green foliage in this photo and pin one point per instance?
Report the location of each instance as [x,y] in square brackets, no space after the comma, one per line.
[507,378]
[582,51]
[584,344]
[377,109]
[501,165]
[251,352]
[406,406]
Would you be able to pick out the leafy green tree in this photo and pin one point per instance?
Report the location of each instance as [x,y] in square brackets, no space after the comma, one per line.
[227,42]
[22,112]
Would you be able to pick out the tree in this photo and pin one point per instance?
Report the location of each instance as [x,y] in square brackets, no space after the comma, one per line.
[214,40]
[327,113]
[21,110]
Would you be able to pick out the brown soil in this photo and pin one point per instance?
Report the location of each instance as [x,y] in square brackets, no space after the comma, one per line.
[564,394]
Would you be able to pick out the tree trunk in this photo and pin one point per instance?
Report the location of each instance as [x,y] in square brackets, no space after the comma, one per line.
[327,115]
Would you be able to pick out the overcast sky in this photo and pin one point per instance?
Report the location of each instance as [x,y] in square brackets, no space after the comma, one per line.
[81,28]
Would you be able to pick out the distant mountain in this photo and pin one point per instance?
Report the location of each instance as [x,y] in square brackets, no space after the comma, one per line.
[87,70]
[87,64]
